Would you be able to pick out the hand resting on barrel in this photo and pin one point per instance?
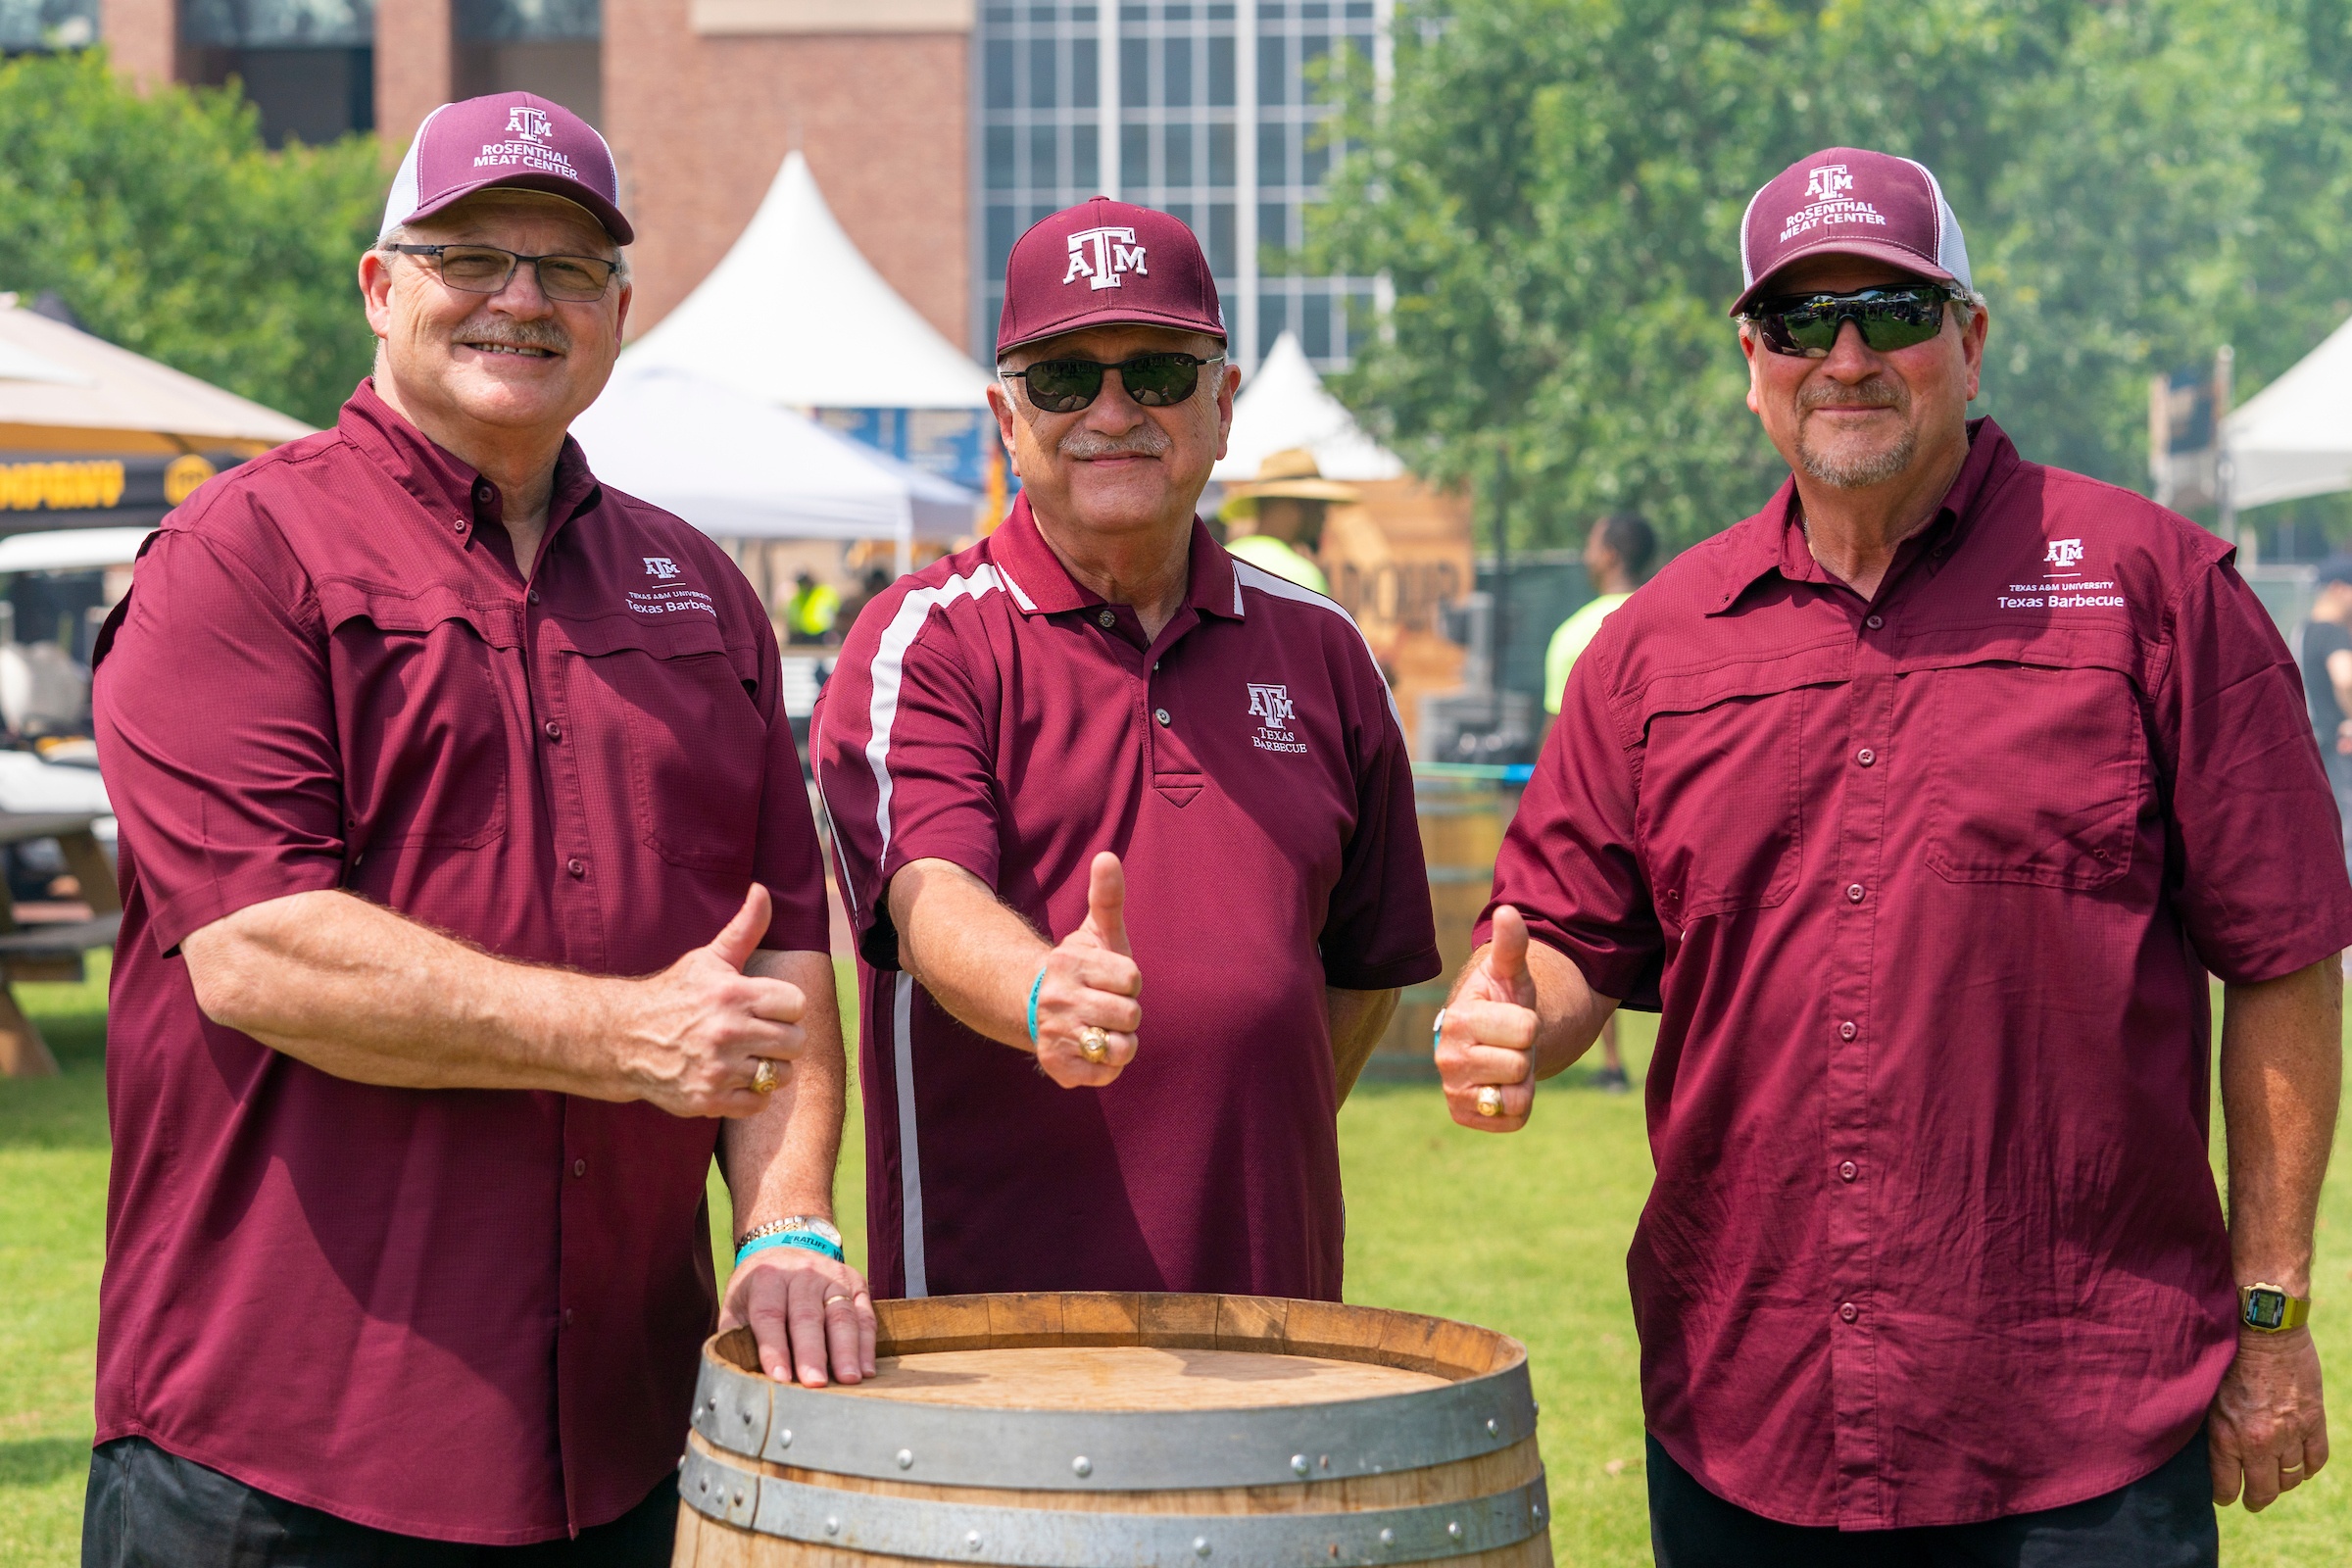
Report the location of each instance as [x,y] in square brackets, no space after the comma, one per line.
[367,995]
[979,960]
[1520,1012]
[807,1314]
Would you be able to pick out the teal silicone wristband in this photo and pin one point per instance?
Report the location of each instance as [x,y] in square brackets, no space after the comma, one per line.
[807,1241]
[1035,986]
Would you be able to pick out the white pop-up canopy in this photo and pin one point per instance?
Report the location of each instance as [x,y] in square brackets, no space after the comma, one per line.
[2294,437]
[66,390]
[738,468]
[1286,406]
[797,316]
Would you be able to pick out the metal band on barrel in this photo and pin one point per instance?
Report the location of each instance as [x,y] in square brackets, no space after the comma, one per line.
[1053,1537]
[1109,1450]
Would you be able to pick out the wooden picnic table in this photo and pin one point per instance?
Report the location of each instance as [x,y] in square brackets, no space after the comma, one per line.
[50,950]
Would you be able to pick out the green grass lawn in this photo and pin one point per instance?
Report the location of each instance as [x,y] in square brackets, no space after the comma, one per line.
[1524,1234]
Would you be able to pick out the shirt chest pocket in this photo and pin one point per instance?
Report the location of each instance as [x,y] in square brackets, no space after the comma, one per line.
[1719,816]
[671,701]
[2036,773]
[423,728]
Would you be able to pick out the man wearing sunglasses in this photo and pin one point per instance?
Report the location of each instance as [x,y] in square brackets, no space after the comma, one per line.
[1126,831]
[423,743]
[1921,805]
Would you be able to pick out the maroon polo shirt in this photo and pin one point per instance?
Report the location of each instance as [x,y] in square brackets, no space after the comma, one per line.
[1248,768]
[471,1314]
[1926,888]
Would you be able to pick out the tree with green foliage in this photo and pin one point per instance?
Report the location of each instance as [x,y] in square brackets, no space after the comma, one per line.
[1555,187]
[167,225]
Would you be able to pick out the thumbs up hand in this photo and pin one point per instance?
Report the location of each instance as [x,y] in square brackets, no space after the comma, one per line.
[1485,1043]
[1087,1014]
[693,1039]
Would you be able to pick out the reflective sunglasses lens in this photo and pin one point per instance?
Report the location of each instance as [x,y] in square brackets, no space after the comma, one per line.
[481,270]
[1807,329]
[1901,321]
[1064,386]
[1157,380]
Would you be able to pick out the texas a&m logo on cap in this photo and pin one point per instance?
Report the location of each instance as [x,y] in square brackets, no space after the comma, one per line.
[527,123]
[1827,182]
[1102,255]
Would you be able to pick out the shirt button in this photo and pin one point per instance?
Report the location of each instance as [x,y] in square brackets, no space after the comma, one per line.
[1853,893]
[533,596]
[459,525]
[1848,1171]
[1849,1311]
[567,1316]
[1846,1030]
[1866,757]
[1162,716]
[1875,622]
[579,1167]
[481,489]
[577,866]
[1107,618]
[555,731]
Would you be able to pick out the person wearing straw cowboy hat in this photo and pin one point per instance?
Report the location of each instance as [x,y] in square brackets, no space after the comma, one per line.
[1288,500]
[471,901]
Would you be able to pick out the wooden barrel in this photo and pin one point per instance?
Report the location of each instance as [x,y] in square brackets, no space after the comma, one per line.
[1110,1431]
[1462,823]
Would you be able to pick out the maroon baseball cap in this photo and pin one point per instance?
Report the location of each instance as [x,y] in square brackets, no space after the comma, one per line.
[1846,201]
[1105,262]
[507,141]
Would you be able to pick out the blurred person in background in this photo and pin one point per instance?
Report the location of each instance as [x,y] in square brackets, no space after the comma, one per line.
[1617,557]
[1923,806]
[1125,829]
[2326,664]
[1287,502]
[812,610]
[423,742]
[870,587]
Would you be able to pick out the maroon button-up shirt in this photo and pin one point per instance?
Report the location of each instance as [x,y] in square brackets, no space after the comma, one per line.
[1926,889]
[1248,768]
[469,1314]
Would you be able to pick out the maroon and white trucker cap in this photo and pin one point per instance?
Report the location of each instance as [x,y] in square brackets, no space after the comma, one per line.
[1105,262]
[507,141]
[1846,201]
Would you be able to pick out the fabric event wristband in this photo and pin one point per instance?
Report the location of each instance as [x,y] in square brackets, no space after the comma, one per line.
[1035,986]
[807,1241]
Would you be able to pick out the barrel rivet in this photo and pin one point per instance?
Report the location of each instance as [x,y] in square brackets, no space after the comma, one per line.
[784,1438]
[1327,1462]
[906,1459]
[1199,1546]
[747,1418]
[971,1542]
[1493,1428]
[832,1525]
[739,1500]
[1082,1466]
[1388,1537]
[1539,1513]
[1454,1529]
[703,1483]
[1299,1464]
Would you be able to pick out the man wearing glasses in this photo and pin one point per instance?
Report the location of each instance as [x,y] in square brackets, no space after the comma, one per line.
[422,739]
[1126,831]
[1920,804]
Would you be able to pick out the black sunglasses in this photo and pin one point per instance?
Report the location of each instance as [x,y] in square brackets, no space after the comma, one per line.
[1155,380]
[1807,326]
[487,270]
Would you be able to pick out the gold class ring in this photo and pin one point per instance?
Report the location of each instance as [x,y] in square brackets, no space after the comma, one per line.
[1490,1102]
[1093,1043]
[764,1078]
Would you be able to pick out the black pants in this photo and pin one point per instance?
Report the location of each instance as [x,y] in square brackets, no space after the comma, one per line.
[148,1508]
[2164,1520]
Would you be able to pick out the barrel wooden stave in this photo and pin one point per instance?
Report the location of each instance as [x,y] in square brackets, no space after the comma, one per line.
[1329,1330]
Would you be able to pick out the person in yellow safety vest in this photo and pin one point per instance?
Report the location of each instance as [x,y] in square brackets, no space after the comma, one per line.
[810,613]
[1287,499]
[1617,557]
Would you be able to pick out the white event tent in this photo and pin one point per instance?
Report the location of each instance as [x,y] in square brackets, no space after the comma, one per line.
[2294,437]
[738,467]
[1286,406]
[797,316]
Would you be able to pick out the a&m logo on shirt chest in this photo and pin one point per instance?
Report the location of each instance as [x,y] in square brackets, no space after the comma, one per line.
[2065,583]
[667,601]
[1272,708]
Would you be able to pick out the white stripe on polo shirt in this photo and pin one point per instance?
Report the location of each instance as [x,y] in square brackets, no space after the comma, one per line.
[1266,582]
[910,1165]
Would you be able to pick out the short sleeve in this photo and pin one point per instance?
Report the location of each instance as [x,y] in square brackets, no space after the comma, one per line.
[787,861]
[1568,863]
[216,735]
[904,762]
[2259,882]
[1377,931]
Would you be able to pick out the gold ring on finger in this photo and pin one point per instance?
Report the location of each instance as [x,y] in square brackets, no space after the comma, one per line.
[1490,1102]
[830,1300]
[1093,1043]
[2289,1469]
[764,1078]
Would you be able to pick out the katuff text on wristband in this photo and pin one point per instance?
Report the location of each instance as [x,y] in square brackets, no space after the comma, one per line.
[807,1241]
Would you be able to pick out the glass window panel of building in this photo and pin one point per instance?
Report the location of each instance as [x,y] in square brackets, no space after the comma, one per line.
[1177,131]
[309,66]
[554,48]
[29,26]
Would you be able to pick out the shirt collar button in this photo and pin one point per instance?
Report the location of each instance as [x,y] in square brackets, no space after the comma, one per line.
[1108,618]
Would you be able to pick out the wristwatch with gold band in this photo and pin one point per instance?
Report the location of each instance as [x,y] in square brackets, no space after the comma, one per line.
[2268,1309]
